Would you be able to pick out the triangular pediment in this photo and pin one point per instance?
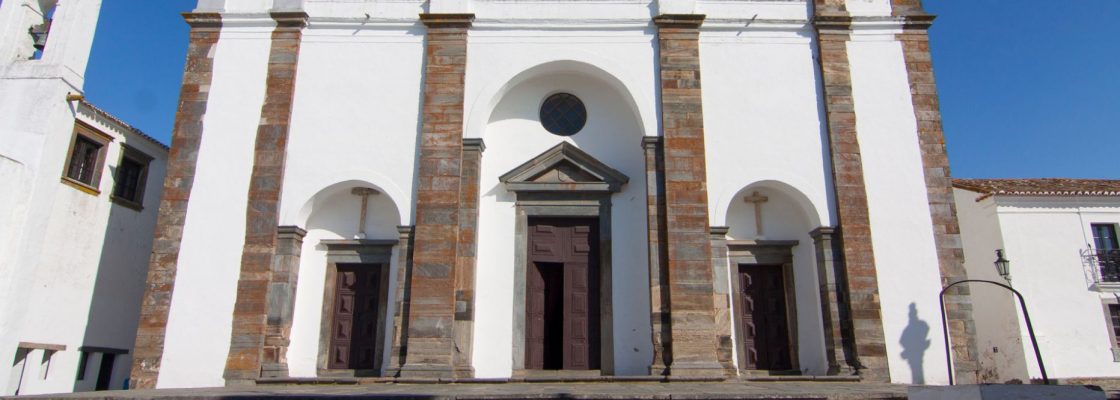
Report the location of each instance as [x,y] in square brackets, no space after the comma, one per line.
[564,168]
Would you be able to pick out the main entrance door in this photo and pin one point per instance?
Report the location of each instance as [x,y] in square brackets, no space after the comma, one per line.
[763,315]
[562,294]
[354,318]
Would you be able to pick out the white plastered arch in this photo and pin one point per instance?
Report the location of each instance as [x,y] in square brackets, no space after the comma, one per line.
[812,212]
[344,181]
[482,105]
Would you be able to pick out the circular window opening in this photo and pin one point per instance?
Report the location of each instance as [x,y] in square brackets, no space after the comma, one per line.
[563,114]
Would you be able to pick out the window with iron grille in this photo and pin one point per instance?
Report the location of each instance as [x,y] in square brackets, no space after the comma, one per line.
[563,114]
[86,158]
[1107,251]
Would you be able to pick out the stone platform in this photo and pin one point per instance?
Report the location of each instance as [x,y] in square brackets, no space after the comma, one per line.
[786,390]
[616,390]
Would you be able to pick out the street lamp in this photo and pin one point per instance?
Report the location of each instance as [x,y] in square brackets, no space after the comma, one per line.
[1002,265]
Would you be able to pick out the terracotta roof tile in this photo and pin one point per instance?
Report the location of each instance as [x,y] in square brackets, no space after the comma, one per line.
[133,129]
[1040,187]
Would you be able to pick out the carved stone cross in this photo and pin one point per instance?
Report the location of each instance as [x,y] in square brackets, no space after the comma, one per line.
[364,192]
[757,200]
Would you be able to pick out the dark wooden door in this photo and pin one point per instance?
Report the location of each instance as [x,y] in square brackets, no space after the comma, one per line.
[105,371]
[355,317]
[763,313]
[562,295]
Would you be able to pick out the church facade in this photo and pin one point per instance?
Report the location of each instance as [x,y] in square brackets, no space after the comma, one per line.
[470,189]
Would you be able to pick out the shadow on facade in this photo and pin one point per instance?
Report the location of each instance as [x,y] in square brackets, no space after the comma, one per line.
[118,288]
[915,341]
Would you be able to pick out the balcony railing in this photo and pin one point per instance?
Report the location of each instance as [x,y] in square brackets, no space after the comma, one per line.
[1104,264]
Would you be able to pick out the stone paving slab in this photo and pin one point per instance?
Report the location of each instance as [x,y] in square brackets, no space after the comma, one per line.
[479,391]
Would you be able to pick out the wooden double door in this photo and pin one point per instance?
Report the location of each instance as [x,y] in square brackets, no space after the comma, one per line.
[764,317]
[357,305]
[562,295]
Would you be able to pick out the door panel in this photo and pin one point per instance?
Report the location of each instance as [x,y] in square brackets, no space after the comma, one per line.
[569,247]
[763,315]
[354,322]
[534,318]
[576,317]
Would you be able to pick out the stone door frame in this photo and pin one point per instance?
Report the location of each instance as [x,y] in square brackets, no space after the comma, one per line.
[584,192]
[378,252]
[559,205]
[763,252]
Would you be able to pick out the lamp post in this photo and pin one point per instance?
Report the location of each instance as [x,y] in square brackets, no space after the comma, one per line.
[1003,267]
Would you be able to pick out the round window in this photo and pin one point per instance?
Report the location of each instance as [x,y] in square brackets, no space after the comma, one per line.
[563,114]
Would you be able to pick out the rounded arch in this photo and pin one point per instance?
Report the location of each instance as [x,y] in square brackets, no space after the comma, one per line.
[484,103]
[805,205]
[312,202]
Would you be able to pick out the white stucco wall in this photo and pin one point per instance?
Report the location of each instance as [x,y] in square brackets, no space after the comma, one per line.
[199,324]
[901,226]
[994,310]
[1043,239]
[356,119]
[84,285]
[350,127]
[764,131]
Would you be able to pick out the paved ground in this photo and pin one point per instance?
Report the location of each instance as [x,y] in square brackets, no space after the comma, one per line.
[629,390]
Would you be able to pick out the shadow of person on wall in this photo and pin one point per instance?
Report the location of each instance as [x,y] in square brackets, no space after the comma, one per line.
[915,341]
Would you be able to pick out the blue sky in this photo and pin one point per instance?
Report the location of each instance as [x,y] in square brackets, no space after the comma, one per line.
[1029,88]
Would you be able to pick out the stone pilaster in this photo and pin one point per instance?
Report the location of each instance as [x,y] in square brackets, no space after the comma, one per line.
[177,184]
[431,351]
[693,338]
[721,298]
[834,301]
[400,300]
[281,301]
[243,365]
[468,247]
[658,257]
[939,186]
[833,33]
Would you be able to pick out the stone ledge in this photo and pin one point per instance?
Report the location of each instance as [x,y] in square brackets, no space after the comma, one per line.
[1005,392]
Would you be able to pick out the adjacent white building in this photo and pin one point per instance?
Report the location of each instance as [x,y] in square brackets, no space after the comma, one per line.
[79,190]
[1060,238]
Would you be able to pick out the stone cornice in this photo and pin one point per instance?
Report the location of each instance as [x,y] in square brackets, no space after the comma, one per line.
[203,20]
[679,21]
[846,22]
[290,19]
[918,21]
[447,20]
[474,144]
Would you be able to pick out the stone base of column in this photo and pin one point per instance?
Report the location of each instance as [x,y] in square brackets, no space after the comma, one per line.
[711,369]
[461,372]
[428,372]
[240,382]
[274,370]
[841,370]
[658,370]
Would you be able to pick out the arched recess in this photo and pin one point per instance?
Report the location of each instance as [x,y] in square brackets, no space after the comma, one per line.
[311,200]
[337,245]
[799,203]
[778,264]
[507,116]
